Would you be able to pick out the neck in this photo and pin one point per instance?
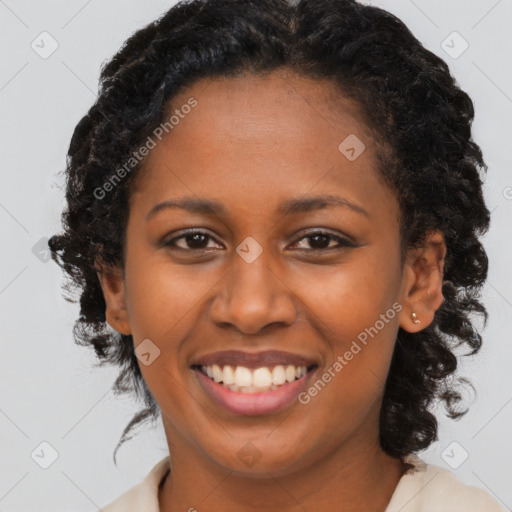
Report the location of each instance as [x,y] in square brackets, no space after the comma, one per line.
[355,477]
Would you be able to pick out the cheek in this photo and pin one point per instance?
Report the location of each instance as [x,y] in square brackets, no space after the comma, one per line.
[162,301]
[162,298]
[355,308]
[348,299]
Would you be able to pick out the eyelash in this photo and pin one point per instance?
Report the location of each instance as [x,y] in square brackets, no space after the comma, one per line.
[343,242]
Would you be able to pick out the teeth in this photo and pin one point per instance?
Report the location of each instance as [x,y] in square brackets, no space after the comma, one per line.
[261,377]
[278,376]
[228,376]
[244,380]
[217,373]
[290,373]
[243,377]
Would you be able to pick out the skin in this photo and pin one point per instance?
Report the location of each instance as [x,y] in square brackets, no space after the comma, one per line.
[250,143]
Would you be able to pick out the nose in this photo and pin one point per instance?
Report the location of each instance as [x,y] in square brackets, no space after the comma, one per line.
[253,296]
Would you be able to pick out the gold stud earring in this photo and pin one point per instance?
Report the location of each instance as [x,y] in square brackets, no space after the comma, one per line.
[415,318]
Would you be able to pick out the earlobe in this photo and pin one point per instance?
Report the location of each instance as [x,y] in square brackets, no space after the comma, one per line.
[422,293]
[112,285]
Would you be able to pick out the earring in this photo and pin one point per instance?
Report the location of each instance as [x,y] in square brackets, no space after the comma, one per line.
[415,318]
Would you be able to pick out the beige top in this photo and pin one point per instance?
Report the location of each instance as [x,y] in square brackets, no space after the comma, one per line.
[423,488]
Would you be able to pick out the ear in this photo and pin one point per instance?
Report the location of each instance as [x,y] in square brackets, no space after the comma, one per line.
[423,283]
[112,283]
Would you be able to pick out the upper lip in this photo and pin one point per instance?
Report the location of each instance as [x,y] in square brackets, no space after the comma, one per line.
[253,359]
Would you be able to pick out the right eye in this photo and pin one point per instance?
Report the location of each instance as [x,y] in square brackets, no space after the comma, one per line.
[190,241]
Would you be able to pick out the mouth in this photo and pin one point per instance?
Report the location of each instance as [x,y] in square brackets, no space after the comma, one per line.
[241,379]
[247,383]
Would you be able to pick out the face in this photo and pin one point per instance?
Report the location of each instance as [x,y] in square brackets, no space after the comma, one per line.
[265,306]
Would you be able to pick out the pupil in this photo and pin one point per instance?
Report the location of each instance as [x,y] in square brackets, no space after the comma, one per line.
[196,240]
[320,241]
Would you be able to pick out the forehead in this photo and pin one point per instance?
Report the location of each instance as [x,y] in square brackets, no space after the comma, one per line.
[263,137]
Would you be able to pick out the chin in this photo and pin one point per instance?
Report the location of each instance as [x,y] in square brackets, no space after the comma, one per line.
[259,457]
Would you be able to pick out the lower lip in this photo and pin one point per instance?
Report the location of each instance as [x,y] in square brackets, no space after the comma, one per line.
[251,404]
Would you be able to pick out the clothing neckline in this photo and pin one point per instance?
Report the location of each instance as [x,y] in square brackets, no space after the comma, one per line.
[162,469]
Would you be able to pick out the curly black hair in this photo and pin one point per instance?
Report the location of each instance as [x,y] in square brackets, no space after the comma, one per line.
[409,99]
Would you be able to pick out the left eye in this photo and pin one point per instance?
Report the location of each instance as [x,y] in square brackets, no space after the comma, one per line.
[322,240]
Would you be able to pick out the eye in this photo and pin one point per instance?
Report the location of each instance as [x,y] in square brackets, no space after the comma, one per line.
[322,240]
[200,240]
[192,240]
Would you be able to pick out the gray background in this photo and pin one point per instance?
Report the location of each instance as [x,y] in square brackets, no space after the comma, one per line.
[50,391]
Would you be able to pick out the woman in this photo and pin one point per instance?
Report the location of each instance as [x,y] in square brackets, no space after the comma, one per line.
[277,210]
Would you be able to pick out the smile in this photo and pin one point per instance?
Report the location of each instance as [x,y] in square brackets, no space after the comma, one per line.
[258,380]
[253,383]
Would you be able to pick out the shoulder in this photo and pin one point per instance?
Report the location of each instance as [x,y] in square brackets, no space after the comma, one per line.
[423,488]
[428,487]
[144,495]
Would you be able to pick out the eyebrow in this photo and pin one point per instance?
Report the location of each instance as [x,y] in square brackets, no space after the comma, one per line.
[288,207]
